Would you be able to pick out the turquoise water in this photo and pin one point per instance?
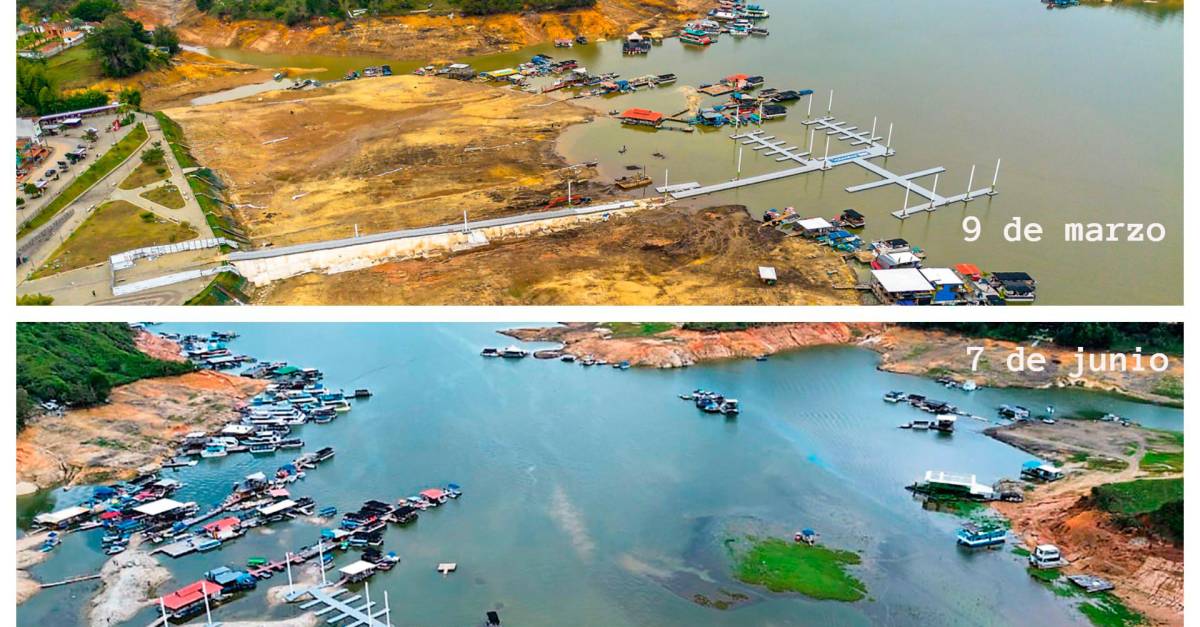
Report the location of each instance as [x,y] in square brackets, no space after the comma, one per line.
[595,496]
[1084,106]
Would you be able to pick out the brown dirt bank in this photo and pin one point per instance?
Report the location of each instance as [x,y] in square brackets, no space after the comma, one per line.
[158,347]
[134,429]
[382,154]
[682,347]
[1147,571]
[669,256]
[189,75]
[936,353]
[430,37]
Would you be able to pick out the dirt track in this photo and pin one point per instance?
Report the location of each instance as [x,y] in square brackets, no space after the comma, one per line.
[382,154]
[654,257]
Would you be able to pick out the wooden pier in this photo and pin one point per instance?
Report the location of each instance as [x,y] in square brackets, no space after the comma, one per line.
[70,580]
[867,145]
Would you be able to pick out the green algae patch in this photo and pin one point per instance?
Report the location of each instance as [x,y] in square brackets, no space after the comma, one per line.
[1106,610]
[814,571]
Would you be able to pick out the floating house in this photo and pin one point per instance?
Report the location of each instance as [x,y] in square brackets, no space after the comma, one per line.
[357,571]
[941,483]
[968,271]
[224,529]
[642,117]
[901,286]
[63,518]
[896,259]
[814,227]
[190,599]
[163,510]
[950,287]
[1038,470]
[1015,286]
[974,535]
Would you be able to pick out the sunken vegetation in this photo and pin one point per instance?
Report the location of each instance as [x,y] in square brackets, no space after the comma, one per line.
[814,571]
[80,363]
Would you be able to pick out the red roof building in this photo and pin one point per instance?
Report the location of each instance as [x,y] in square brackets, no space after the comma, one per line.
[969,271]
[221,529]
[642,116]
[191,594]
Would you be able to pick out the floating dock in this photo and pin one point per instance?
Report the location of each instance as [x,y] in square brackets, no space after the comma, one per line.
[340,609]
[867,145]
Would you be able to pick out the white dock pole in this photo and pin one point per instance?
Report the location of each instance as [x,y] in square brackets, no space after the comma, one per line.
[812,131]
[465,227]
[739,173]
[829,110]
[163,606]
[996,176]
[873,121]
[387,609]
[970,182]
[808,116]
[889,139]
[760,113]
[288,557]
[321,556]
[356,229]
[907,189]
[825,161]
[367,591]
[933,192]
[207,610]
[568,192]
[666,186]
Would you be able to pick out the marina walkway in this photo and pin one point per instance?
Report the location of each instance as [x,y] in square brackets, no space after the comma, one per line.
[340,610]
[868,147]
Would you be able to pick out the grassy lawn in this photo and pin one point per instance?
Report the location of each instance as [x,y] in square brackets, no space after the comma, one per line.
[814,571]
[1138,497]
[73,69]
[174,135]
[115,227]
[105,164]
[638,329]
[166,195]
[145,174]
[1170,387]
[1157,461]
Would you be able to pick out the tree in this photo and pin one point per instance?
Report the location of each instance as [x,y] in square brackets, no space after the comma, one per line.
[30,189]
[119,46]
[35,299]
[131,97]
[152,155]
[95,10]
[166,38]
[25,407]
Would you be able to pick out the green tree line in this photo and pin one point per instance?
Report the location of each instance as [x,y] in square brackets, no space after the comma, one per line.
[1151,336]
[80,363]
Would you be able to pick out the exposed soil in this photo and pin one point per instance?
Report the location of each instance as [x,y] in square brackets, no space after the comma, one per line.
[936,353]
[1147,571]
[381,154]
[134,429]
[129,581]
[426,37]
[158,347]
[190,75]
[669,256]
[682,347]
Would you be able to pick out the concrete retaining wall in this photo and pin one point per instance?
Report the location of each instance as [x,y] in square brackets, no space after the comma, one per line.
[261,271]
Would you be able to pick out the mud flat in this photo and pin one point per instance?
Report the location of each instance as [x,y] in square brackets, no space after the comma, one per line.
[676,347]
[136,428]
[658,256]
[922,352]
[380,155]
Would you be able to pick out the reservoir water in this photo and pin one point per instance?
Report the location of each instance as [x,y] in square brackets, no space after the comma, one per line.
[1084,106]
[594,496]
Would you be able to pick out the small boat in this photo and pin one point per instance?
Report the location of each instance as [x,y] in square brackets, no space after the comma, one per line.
[976,535]
[50,542]
[291,443]
[361,393]
[453,490]
[633,181]
[581,40]
[758,31]
[760,358]
[570,359]
[207,544]
[894,397]
[665,79]
[513,352]
[490,352]
[214,450]
[114,549]
[255,562]
[263,448]
[921,424]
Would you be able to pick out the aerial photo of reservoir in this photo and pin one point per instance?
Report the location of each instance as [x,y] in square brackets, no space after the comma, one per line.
[612,474]
[596,152]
